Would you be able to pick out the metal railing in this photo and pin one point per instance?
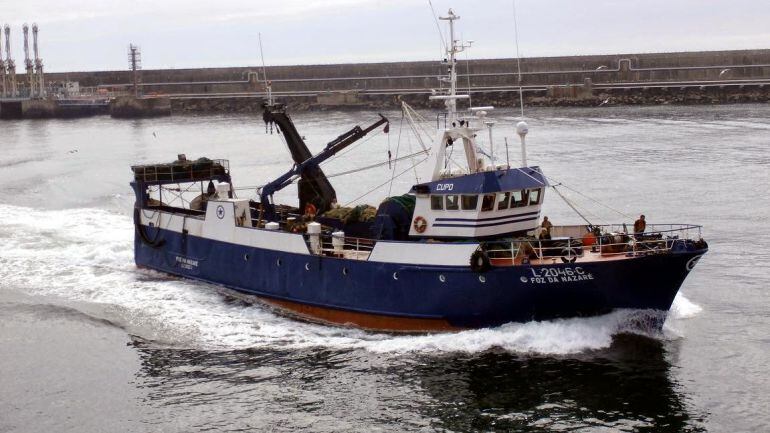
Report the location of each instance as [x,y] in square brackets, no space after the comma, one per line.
[181,171]
[341,247]
[601,242]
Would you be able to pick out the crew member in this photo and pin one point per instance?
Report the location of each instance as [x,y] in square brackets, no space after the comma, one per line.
[545,226]
[640,225]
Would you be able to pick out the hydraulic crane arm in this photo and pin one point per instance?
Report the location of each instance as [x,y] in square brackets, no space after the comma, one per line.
[314,187]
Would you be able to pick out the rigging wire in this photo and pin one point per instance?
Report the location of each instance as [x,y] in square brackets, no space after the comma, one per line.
[409,143]
[572,206]
[398,146]
[382,184]
[438,27]
[369,167]
[557,183]
[468,75]
[518,58]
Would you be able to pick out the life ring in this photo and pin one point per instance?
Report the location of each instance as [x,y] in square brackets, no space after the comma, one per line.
[569,255]
[480,261]
[420,224]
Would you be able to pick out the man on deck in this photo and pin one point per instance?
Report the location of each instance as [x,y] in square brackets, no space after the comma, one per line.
[546,226]
[640,225]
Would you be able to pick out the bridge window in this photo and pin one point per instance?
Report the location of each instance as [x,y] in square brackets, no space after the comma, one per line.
[503,200]
[488,203]
[520,198]
[452,202]
[470,202]
[534,196]
[437,202]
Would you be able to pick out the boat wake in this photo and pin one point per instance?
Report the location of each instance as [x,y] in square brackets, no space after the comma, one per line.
[83,259]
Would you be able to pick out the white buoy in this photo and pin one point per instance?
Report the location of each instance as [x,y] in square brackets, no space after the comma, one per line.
[522,129]
[314,233]
[338,242]
[223,190]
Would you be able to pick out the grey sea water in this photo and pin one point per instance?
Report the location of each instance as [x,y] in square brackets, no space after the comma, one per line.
[89,343]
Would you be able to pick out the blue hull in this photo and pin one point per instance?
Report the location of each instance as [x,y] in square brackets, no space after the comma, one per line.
[419,298]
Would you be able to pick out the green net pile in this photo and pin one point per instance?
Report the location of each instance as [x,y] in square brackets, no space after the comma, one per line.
[360,213]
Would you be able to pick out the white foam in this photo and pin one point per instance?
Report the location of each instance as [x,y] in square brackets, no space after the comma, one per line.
[683,308]
[86,255]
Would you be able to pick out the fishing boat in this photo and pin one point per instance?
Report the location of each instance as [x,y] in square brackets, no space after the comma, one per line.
[465,248]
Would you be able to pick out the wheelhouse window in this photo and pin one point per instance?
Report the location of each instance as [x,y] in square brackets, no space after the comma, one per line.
[503,201]
[469,202]
[452,202]
[488,203]
[437,202]
[520,198]
[534,196]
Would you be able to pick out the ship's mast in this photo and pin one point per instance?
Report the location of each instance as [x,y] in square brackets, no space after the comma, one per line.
[453,48]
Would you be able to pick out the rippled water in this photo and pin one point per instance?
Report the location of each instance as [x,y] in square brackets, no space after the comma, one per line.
[90,343]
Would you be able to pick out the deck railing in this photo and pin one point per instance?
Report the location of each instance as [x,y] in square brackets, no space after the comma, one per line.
[606,241]
[340,246]
[182,171]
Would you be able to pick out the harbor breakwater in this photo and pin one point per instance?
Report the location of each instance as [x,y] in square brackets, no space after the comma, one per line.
[713,77]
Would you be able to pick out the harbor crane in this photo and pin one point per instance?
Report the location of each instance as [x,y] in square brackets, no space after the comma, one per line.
[10,64]
[28,65]
[38,64]
[2,68]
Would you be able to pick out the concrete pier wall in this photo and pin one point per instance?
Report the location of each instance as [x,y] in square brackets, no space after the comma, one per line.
[684,78]
[543,71]
[130,107]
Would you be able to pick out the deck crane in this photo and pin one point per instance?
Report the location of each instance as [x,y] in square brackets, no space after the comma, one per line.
[314,187]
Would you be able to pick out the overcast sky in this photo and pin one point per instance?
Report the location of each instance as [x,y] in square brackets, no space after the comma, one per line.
[94,34]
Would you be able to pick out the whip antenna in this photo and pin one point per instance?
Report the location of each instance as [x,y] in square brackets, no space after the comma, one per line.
[268,85]
[518,58]
[438,27]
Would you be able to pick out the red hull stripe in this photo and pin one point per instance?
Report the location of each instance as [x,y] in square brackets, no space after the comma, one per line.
[368,321]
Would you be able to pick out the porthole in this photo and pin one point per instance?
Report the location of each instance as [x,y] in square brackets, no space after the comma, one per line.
[442,278]
[307,266]
[278,262]
[344,271]
[246,257]
[395,275]
[482,279]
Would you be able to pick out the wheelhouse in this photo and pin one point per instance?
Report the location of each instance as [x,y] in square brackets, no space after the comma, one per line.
[503,202]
